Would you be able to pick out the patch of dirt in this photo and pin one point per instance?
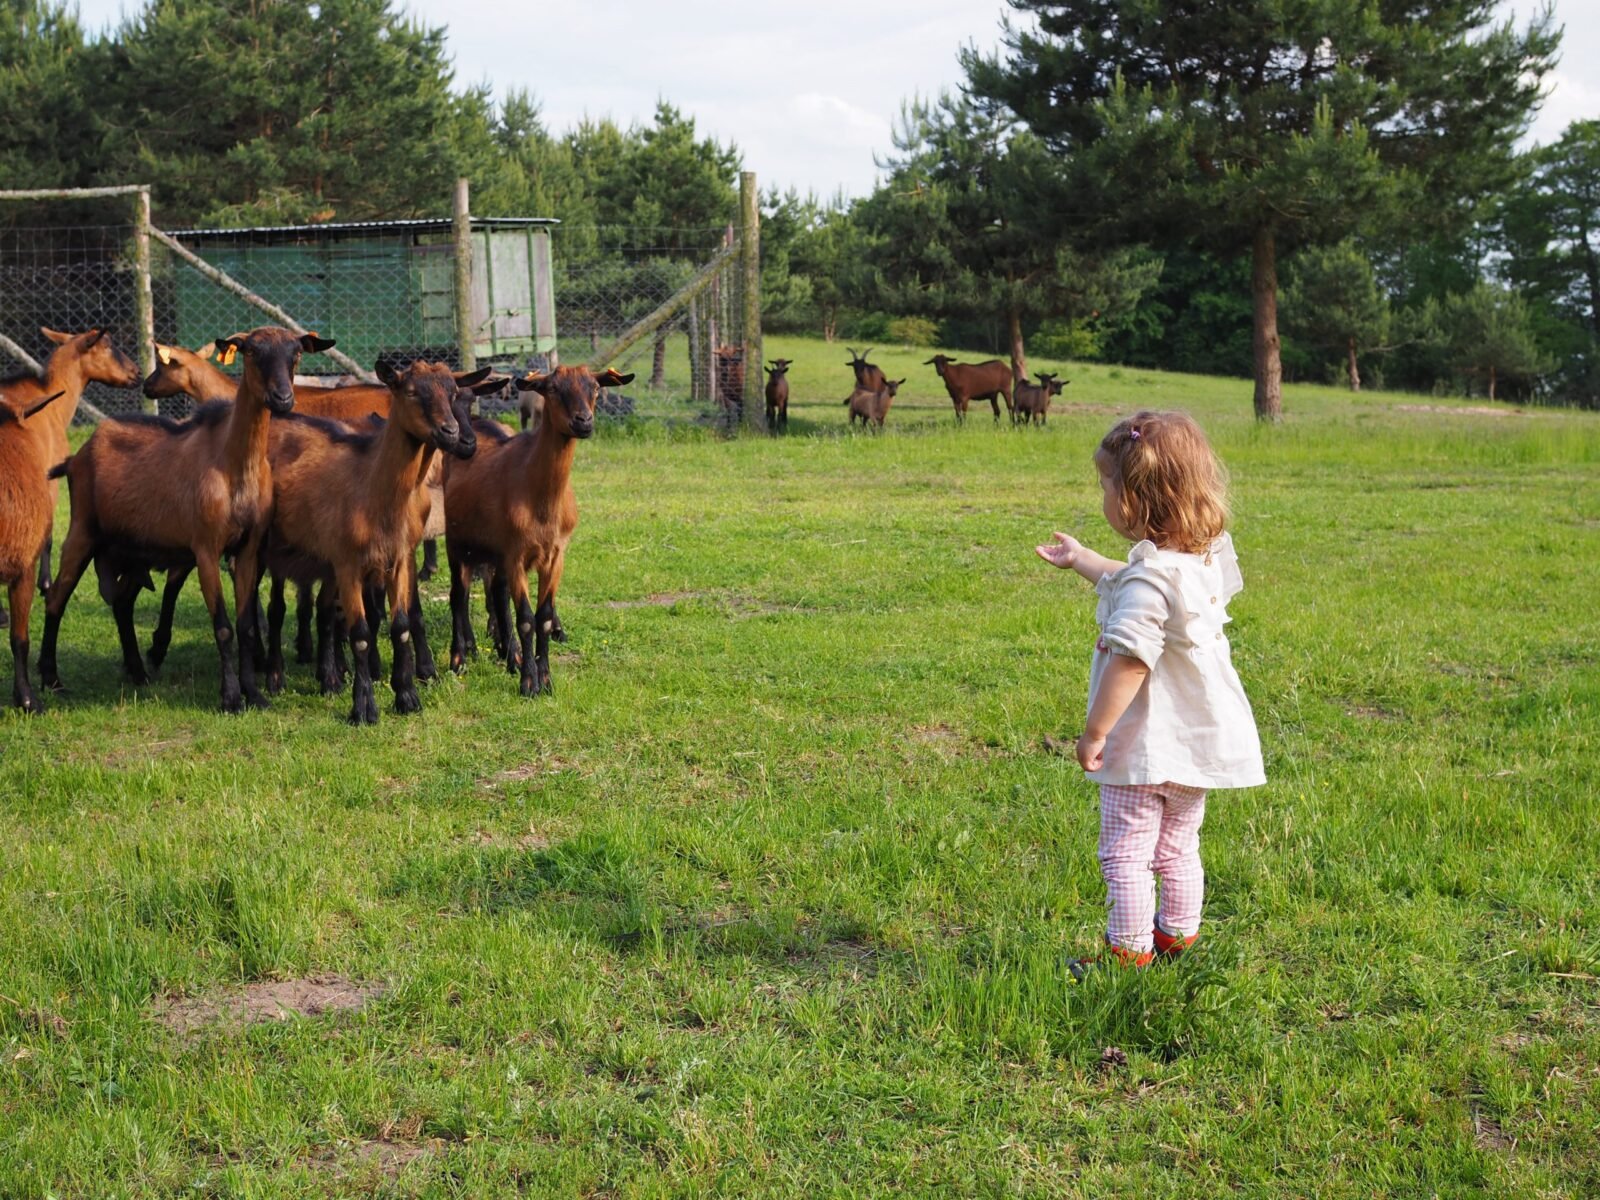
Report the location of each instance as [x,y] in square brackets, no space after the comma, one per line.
[1488,1135]
[656,600]
[1477,410]
[552,765]
[948,741]
[381,1155]
[1371,712]
[1060,747]
[278,1000]
[144,754]
[532,840]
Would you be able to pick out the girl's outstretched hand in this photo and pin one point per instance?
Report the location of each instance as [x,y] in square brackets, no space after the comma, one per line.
[1062,553]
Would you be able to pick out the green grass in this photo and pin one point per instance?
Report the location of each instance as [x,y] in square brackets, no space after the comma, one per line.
[772,897]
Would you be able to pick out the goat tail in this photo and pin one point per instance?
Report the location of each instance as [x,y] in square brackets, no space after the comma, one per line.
[60,469]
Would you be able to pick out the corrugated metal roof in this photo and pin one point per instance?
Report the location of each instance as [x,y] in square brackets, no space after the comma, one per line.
[416,225]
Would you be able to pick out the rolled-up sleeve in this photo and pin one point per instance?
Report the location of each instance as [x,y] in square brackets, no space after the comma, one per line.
[1137,622]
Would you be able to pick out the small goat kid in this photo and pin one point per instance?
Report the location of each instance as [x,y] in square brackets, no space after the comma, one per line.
[25,508]
[873,406]
[149,492]
[778,394]
[511,510]
[1033,400]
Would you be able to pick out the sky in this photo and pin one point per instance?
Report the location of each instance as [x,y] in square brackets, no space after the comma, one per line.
[807,91]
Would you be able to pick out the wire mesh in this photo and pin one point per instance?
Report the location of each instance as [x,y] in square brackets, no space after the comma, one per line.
[390,296]
[70,279]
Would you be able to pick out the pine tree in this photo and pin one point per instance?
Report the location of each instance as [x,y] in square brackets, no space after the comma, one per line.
[1332,301]
[1255,126]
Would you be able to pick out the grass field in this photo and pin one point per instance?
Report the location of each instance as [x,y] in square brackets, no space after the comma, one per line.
[772,896]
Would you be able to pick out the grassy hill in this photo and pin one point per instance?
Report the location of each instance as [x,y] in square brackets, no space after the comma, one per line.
[772,897]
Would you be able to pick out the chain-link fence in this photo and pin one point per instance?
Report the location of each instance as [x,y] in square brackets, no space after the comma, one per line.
[611,279]
[667,305]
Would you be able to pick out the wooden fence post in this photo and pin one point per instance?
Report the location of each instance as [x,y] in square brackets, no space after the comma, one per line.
[463,276]
[144,299]
[755,413]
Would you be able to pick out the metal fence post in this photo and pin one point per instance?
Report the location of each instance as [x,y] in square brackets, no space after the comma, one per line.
[463,276]
[144,300]
[755,413]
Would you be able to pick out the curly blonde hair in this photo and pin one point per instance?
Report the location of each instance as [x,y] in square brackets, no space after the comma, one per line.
[1172,488]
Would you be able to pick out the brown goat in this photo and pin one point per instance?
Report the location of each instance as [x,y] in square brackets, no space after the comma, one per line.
[868,376]
[778,394]
[149,492]
[511,510]
[730,378]
[181,372]
[346,509]
[1033,400]
[25,508]
[967,382]
[873,407]
[78,359]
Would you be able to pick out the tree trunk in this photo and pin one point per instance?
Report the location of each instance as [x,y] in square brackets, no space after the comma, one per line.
[658,367]
[1019,361]
[1355,375]
[830,324]
[1264,294]
[1491,381]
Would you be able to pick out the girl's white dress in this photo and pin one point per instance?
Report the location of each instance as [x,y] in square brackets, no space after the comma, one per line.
[1190,723]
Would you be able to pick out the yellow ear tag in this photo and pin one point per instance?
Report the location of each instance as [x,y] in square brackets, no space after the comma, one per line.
[228,355]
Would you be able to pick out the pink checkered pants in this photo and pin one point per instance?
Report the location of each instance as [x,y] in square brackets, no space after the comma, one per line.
[1148,830]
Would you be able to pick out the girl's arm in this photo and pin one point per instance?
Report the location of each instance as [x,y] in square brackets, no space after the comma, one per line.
[1068,551]
[1123,678]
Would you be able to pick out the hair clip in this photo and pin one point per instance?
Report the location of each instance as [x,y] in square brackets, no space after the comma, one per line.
[1133,433]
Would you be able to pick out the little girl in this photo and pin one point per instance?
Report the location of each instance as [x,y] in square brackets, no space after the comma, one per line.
[1168,719]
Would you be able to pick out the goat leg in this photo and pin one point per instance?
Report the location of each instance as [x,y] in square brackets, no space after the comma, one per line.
[74,558]
[543,621]
[122,602]
[427,669]
[364,705]
[161,639]
[460,610]
[275,613]
[529,628]
[500,607]
[222,632]
[558,631]
[403,675]
[44,560]
[21,605]
[304,603]
[430,558]
[377,613]
[330,671]
[247,610]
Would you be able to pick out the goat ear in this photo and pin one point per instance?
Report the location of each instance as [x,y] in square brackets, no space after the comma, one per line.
[610,378]
[98,334]
[312,344]
[207,350]
[163,353]
[386,373]
[55,335]
[533,383]
[467,379]
[484,387]
[228,348]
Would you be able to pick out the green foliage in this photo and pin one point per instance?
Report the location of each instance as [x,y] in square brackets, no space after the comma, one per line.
[1261,126]
[1332,302]
[914,331]
[1489,337]
[1077,340]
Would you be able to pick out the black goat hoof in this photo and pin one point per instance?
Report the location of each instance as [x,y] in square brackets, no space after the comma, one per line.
[30,704]
[427,674]
[558,633]
[233,704]
[407,702]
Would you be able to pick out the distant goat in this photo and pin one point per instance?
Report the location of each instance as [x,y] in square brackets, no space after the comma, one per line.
[967,382]
[730,378]
[778,395]
[1033,400]
[873,406]
[868,376]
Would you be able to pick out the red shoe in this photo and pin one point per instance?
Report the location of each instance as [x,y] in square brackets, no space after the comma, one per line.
[1121,955]
[1171,945]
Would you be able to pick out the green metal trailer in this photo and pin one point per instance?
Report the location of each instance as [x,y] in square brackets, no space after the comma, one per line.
[377,288]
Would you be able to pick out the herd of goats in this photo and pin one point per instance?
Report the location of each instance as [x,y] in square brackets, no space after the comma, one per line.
[331,489]
[874,392]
